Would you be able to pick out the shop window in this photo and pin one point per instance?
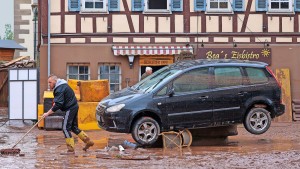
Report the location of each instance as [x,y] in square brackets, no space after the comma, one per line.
[102,6]
[112,72]
[79,72]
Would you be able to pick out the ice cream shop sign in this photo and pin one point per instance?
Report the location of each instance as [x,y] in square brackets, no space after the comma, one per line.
[253,54]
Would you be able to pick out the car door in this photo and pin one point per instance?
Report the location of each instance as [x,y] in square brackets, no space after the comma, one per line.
[227,93]
[191,102]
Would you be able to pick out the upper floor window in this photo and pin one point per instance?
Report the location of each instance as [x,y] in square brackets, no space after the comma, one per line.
[218,6]
[102,6]
[94,5]
[79,72]
[278,6]
[157,6]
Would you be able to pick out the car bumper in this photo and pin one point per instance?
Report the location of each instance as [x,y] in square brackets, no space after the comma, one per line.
[112,122]
[280,109]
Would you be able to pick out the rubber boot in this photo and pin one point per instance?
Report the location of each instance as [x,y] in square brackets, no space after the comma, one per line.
[85,138]
[70,145]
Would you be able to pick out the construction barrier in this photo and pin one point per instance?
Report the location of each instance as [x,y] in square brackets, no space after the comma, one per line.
[87,116]
[93,90]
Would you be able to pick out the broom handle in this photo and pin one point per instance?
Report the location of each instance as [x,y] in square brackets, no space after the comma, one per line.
[28,131]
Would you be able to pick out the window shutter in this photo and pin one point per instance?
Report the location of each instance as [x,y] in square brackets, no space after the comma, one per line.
[200,5]
[261,5]
[137,5]
[177,5]
[297,5]
[74,5]
[238,5]
[114,5]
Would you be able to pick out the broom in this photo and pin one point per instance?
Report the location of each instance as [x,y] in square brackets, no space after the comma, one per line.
[13,150]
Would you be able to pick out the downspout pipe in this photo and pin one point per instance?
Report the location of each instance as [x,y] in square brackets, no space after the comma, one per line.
[49,45]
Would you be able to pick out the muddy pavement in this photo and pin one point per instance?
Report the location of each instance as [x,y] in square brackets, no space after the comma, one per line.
[277,148]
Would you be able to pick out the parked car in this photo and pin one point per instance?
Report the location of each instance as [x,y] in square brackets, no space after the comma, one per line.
[194,94]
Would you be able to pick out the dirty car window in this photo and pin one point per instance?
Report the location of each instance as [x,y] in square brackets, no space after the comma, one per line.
[152,81]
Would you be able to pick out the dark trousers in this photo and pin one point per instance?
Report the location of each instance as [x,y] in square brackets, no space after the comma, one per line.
[70,122]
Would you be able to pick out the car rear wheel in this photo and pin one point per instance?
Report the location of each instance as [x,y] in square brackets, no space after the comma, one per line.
[257,121]
[145,131]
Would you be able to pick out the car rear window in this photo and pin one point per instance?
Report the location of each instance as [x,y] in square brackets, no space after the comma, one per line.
[228,76]
[256,75]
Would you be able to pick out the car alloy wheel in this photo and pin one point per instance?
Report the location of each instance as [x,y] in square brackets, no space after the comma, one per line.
[145,131]
[257,121]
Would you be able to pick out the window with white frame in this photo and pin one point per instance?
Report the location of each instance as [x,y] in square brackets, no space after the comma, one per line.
[94,5]
[79,72]
[280,6]
[157,5]
[219,6]
[112,72]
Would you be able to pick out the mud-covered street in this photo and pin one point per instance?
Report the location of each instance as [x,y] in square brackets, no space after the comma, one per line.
[277,148]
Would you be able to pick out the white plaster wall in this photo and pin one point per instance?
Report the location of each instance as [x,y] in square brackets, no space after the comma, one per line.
[149,24]
[227,24]
[240,20]
[70,23]
[184,40]
[220,39]
[86,25]
[273,24]
[263,39]
[77,40]
[141,40]
[164,24]
[161,40]
[212,23]
[193,24]
[284,39]
[55,25]
[101,24]
[120,39]
[135,21]
[120,23]
[238,39]
[66,6]
[55,6]
[58,40]
[98,40]
[179,23]
[287,24]
[255,23]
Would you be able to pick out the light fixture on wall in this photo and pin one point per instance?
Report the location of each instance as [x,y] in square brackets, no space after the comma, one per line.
[234,44]
[130,59]
[202,44]
[266,44]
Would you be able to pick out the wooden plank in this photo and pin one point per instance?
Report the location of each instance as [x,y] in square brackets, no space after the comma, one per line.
[283,77]
[14,61]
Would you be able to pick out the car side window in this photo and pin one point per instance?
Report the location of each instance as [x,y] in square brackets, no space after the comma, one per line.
[162,92]
[194,80]
[228,76]
[256,75]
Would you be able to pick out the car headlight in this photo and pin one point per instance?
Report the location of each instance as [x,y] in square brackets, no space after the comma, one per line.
[115,108]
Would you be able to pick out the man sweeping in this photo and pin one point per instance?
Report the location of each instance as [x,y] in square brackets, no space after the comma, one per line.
[65,100]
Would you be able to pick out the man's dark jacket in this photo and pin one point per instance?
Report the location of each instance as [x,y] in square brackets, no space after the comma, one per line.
[64,96]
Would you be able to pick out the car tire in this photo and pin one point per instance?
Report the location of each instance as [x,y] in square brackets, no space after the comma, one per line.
[145,131]
[257,121]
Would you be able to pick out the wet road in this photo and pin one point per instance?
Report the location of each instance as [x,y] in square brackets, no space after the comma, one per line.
[277,148]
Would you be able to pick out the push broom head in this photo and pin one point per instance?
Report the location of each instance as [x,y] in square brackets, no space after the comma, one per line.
[10,151]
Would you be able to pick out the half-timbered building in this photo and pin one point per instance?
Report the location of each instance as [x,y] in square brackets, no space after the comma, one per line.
[117,39]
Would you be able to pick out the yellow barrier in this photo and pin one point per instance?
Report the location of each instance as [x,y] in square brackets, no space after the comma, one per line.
[87,116]
[40,114]
[93,90]
[73,84]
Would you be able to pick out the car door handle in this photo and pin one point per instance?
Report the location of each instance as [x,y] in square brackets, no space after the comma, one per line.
[242,93]
[203,97]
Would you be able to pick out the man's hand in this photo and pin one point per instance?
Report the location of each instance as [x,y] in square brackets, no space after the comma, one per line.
[48,113]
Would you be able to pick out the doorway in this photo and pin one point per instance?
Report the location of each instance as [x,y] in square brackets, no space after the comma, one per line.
[154,69]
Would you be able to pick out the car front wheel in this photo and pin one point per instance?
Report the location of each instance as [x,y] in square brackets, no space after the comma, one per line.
[257,121]
[145,131]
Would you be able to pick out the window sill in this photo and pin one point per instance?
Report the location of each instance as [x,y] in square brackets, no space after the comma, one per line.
[157,12]
[219,12]
[280,13]
[93,12]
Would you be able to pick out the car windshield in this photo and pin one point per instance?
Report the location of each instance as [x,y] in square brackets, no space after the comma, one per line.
[150,82]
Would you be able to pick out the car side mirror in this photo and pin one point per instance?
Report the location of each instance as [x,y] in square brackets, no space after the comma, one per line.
[171,92]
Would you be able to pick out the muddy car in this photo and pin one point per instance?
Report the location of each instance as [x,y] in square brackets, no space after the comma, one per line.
[194,94]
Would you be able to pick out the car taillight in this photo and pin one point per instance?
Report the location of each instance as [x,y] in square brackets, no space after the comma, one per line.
[270,71]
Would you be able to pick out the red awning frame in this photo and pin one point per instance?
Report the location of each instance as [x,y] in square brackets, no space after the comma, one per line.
[150,50]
